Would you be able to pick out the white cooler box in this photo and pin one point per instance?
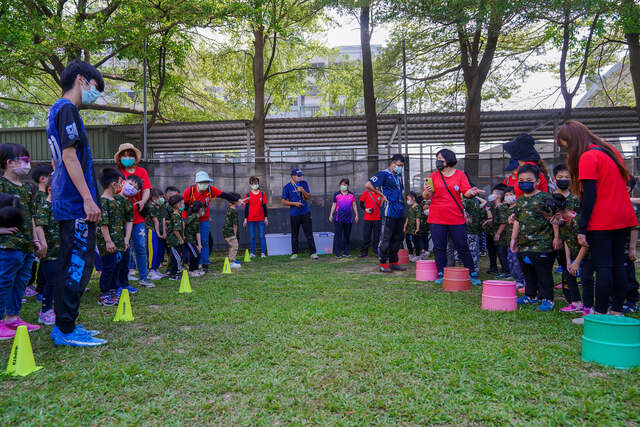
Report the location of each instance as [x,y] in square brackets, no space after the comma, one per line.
[280,243]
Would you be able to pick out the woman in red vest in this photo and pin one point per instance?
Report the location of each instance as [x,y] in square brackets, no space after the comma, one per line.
[599,174]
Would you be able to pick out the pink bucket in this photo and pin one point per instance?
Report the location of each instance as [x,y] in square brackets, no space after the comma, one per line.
[403,256]
[499,295]
[426,271]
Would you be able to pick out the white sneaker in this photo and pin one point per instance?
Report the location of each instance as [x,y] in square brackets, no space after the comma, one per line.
[132,277]
[263,255]
[252,255]
[235,264]
[154,275]
[314,256]
[294,256]
[413,258]
[146,284]
[195,273]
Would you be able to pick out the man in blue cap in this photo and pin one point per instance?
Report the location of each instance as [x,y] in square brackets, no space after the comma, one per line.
[295,195]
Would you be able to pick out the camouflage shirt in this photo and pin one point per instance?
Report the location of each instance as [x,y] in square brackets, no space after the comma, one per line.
[424,223]
[573,203]
[536,232]
[503,213]
[636,208]
[569,234]
[126,206]
[23,239]
[44,218]
[412,215]
[113,217]
[156,210]
[475,213]
[191,229]
[230,219]
[491,228]
[39,198]
[174,224]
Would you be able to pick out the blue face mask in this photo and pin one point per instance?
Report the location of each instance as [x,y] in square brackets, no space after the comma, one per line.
[398,170]
[127,162]
[527,187]
[90,96]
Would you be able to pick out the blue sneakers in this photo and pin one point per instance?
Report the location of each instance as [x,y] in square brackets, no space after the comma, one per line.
[131,290]
[525,300]
[80,337]
[474,279]
[89,332]
[439,279]
[546,305]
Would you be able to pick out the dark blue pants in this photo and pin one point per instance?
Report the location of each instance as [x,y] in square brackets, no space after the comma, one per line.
[458,234]
[371,236]
[109,272]
[342,237]
[122,269]
[49,271]
[158,250]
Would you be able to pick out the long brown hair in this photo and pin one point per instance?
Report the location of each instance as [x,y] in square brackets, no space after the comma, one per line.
[543,168]
[579,138]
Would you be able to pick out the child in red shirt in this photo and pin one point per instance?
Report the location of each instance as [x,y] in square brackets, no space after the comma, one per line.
[255,215]
[370,202]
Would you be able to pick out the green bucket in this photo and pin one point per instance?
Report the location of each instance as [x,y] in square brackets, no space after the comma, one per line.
[611,341]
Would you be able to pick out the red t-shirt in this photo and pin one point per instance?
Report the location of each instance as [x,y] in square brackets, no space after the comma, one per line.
[542,186]
[256,201]
[613,209]
[443,209]
[146,185]
[191,194]
[371,201]
[510,181]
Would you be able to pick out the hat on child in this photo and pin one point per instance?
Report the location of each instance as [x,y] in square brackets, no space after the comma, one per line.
[202,176]
[521,148]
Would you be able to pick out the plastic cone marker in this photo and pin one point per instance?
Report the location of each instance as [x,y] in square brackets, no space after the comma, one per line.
[226,268]
[124,313]
[185,285]
[247,258]
[21,361]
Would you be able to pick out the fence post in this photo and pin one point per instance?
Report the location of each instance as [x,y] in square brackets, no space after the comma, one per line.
[324,205]
[233,166]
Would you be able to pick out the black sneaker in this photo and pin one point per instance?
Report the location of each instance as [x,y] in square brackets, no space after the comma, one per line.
[398,267]
[205,268]
[384,268]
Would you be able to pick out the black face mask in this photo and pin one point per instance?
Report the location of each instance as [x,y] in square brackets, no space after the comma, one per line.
[563,184]
[440,164]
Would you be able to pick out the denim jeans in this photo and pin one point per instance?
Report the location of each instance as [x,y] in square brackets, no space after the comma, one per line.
[158,250]
[15,272]
[204,236]
[257,228]
[139,244]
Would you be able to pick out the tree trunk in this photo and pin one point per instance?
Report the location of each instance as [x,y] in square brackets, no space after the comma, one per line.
[259,108]
[633,40]
[472,129]
[369,94]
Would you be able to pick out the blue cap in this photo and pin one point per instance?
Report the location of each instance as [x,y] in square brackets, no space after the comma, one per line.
[513,165]
[297,172]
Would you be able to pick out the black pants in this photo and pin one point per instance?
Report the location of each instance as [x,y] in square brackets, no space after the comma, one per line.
[390,239]
[632,284]
[607,253]
[109,275]
[492,252]
[458,234]
[371,236]
[191,256]
[587,282]
[49,271]
[297,221]
[75,265]
[569,282]
[538,274]
[175,260]
[40,279]
[503,252]
[122,269]
[411,246]
[421,242]
[342,237]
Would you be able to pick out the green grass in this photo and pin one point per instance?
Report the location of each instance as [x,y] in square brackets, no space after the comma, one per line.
[326,342]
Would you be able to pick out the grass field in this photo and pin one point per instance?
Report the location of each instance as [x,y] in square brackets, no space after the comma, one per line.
[326,342]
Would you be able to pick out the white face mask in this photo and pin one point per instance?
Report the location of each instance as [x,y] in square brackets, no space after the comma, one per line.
[23,169]
[409,202]
[202,186]
[492,197]
[255,186]
[510,199]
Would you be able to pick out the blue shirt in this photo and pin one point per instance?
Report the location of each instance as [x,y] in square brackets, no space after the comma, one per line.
[391,185]
[65,129]
[290,193]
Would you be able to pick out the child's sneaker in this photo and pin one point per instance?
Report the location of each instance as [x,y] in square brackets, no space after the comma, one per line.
[546,305]
[587,311]
[629,307]
[19,322]
[174,278]
[154,275]
[132,276]
[572,308]
[263,255]
[525,300]
[252,255]
[77,338]
[105,300]
[115,296]
[131,290]
[235,264]
[47,318]
[6,333]
[314,256]
[474,279]
[147,283]
[439,280]
[294,256]
[30,291]
[384,268]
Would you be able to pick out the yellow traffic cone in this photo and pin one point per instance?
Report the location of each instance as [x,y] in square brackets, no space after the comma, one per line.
[21,361]
[226,268]
[124,313]
[247,258]
[185,285]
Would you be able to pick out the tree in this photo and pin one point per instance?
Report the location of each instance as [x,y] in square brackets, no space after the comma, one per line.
[630,19]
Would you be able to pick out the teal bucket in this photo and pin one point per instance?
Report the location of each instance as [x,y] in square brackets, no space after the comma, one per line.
[611,341]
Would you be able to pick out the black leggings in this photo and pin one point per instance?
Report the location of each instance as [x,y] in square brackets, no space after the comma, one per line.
[502,255]
[587,282]
[632,283]
[569,283]
[607,253]
[411,246]
[492,252]
[537,269]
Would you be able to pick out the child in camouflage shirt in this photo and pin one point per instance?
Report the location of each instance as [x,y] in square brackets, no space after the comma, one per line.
[40,175]
[411,227]
[502,238]
[475,216]
[230,230]
[175,236]
[17,244]
[192,238]
[113,236]
[48,265]
[422,234]
[156,225]
[533,239]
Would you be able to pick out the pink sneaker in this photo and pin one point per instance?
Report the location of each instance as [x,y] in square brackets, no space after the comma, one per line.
[48,317]
[587,311]
[19,322]
[6,333]
[30,292]
[572,308]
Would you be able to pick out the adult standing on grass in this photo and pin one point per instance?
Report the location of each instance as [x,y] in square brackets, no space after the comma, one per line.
[127,159]
[74,198]
[446,214]
[388,184]
[203,191]
[598,173]
[296,195]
